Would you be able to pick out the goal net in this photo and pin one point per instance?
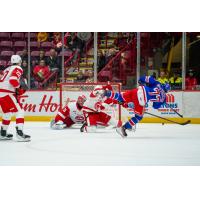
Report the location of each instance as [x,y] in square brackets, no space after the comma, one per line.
[69,92]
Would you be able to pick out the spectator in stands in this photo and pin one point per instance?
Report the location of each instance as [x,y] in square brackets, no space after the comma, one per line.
[2,67]
[81,77]
[57,39]
[176,81]
[24,55]
[24,66]
[33,63]
[90,77]
[36,60]
[190,81]
[72,42]
[110,54]
[41,71]
[53,61]
[42,56]
[101,60]
[163,77]
[42,37]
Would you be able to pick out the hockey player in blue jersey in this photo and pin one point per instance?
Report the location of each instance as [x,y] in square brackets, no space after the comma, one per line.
[149,90]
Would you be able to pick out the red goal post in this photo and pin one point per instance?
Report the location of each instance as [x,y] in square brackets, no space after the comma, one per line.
[69,92]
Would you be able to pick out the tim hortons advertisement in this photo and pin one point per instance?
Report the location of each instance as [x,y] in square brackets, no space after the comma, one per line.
[40,103]
[173,102]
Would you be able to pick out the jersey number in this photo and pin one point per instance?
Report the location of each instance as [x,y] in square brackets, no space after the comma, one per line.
[4,76]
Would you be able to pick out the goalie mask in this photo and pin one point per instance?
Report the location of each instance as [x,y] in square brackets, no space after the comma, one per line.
[81,100]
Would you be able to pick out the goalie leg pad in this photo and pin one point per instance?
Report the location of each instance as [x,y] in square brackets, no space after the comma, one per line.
[57,125]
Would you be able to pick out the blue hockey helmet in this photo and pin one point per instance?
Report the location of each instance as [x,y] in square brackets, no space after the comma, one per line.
[166,87]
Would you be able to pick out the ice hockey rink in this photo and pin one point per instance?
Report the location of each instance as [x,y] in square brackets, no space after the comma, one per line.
[151,144]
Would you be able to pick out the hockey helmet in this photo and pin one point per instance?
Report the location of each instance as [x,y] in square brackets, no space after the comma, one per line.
[81,99]
[16,59]
[166,87]
[98,91]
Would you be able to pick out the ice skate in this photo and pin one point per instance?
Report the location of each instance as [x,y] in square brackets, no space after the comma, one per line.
[21,137]
[122,131]
[4,135]
[133,129]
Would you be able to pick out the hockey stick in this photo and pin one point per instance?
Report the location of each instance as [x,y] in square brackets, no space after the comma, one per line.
[183,123]
[175,111]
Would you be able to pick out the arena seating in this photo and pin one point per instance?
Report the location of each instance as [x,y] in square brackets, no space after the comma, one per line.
[46,45]
[17,36]
[34,45]
[33,36]
[4,36]
[35,53]
[5,55]
[19,45]
[6,45]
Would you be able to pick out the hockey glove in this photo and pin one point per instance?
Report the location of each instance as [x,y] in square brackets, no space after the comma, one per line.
[107,93]
[131,105]
[23,83]
[128,105]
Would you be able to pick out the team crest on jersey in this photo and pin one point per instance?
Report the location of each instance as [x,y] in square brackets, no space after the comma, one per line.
[79,118]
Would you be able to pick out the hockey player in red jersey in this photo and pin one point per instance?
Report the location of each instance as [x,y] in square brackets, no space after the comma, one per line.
[93,110]
[71,114]
[12,85]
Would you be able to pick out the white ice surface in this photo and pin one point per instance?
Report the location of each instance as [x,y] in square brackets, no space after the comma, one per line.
[151,144]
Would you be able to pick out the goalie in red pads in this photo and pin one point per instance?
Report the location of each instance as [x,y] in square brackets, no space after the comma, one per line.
[71,114]
[93,110]
[11,86]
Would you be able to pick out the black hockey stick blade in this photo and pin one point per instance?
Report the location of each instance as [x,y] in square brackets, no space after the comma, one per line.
[169,120]
[186,122]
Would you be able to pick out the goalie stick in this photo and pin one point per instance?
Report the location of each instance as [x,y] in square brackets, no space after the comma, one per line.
[183,123]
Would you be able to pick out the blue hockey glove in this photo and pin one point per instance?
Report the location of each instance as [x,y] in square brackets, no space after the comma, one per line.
[107,93]
[131,105]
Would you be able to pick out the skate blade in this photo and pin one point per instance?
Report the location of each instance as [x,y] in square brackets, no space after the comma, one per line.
[23,140]
[119,132]
[5,139]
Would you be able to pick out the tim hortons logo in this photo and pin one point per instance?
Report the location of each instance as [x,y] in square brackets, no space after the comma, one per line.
[170,98]
[46,105]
